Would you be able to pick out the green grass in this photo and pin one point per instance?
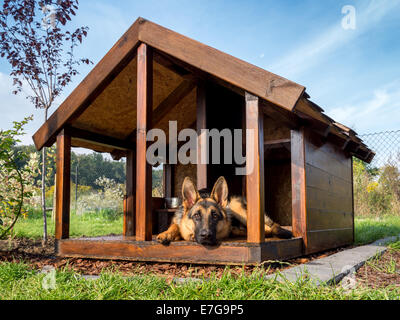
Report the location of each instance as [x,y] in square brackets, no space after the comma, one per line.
[89,224]
[370,229]
[18,282]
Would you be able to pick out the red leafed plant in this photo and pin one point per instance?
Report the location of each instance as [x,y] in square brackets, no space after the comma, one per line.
[35,40]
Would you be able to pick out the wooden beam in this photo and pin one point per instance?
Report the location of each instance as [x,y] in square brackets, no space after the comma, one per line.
[352,197]
[327,131]
[255,171]
[298,169]
[177,95]
[129,214]
[244,135]
[143,168]
[190,72]
[346,144]
[285,117]
[123,51]
[370,157]
[169,64]
[184,88]
[201,123]
[99,139]
[262,83]
[118,154]
[124,217]
[277,144]
[228,253]
[63,188]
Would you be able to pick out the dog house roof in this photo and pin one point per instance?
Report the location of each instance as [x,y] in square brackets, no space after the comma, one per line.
[101,110]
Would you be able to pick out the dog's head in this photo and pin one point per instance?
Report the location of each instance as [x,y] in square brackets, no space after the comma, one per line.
[205,214]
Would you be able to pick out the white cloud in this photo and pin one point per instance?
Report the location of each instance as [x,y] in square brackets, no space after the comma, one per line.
[317,49]
[380,111]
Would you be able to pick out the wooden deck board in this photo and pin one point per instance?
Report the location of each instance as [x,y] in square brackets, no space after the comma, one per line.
[235,252]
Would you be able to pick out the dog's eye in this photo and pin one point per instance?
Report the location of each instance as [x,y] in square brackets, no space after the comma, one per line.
[214,215]
[197,216]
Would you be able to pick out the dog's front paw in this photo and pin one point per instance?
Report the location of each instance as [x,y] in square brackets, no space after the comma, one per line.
[164,238]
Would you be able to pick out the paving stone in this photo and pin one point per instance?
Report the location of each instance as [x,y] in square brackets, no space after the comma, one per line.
[333,268]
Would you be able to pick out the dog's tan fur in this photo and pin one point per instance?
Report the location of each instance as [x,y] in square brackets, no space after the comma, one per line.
[184,227]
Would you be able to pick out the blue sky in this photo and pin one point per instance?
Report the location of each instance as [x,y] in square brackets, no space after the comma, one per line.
[353,74]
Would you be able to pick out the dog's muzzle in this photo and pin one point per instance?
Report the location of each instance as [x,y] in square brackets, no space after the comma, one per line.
[205,237]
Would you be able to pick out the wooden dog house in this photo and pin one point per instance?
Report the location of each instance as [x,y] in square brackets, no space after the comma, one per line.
[302,158]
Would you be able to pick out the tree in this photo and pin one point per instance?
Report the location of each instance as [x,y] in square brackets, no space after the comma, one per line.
[17,182]
[35,40]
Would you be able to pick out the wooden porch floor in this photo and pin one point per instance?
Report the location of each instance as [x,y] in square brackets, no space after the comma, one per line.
[235,251]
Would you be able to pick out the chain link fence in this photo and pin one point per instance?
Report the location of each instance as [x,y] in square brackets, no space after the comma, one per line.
[386,146]
[377,186]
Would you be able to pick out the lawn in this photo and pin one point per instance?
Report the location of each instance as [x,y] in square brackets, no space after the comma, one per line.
[370,229]
[89,224]
[17,281]
[20,281]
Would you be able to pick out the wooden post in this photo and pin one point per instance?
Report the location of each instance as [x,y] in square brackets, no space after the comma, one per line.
[244,178]
[144,117]
[352,196]
[201,123]
[124,217]
[299,209]
[129,212]
[255,171]
[63,190]
[167,180]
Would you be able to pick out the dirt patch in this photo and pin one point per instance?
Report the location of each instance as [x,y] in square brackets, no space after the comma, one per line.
[381,272]
[38,256]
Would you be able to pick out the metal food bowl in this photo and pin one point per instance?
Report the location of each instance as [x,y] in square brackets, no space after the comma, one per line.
[172,203]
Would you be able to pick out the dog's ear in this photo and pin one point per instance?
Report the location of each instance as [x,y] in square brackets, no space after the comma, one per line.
[190,194]
[220,192]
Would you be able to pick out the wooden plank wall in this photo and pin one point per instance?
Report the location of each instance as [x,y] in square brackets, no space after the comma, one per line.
[329,199]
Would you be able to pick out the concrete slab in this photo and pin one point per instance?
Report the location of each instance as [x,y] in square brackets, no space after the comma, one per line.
[334,268]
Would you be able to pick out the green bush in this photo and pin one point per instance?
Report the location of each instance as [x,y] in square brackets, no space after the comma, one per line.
[376,190]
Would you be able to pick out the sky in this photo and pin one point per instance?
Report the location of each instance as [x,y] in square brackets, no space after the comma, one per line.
[353,74]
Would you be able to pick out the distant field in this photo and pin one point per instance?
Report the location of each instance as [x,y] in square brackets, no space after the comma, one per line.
[88,224]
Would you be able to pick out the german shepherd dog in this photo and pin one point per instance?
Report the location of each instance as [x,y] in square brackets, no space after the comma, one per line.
[209,218]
